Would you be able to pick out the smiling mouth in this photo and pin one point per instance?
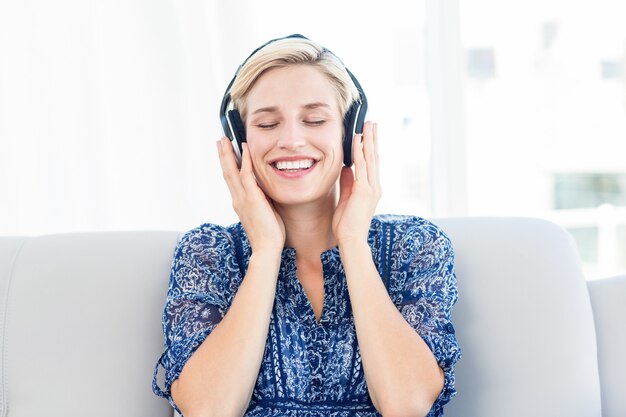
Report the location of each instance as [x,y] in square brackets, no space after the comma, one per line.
[293,171]
[294,166]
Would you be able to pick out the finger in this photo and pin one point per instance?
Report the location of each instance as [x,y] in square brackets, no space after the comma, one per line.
[360,169]
[376,139]
[230,171]
[247,172]
[369,153]
[346,180]
[374,167]
[368,144]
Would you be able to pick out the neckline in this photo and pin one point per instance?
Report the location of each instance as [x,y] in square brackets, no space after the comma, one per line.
[329,259]
[325,256]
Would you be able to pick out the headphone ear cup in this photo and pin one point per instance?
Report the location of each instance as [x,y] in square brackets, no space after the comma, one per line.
[238,131]
[350,128]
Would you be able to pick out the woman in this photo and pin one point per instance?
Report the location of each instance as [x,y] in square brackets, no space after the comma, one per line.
[310,305]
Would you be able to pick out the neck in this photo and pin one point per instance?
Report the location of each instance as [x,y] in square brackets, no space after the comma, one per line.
[308,226]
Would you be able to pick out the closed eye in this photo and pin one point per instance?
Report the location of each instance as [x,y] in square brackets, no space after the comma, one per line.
[267,125]
[315,122]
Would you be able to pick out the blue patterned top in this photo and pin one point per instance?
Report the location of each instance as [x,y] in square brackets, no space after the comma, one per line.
[312,369]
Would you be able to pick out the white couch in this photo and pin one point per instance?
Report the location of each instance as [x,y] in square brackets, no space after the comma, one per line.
[81,324]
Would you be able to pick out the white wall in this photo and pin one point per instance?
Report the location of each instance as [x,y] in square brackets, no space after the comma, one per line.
[109,110]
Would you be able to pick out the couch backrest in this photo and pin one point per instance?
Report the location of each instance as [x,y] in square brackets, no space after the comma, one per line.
[524,322]
[82,328]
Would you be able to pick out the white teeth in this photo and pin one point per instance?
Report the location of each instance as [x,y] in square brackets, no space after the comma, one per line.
[303,164]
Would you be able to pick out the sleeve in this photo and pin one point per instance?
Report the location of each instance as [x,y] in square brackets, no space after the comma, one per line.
[197,299]
[425,291]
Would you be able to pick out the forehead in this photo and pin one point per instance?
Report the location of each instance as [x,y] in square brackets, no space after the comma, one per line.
[293,85]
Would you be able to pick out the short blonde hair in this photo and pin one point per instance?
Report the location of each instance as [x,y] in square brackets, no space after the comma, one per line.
[293,51]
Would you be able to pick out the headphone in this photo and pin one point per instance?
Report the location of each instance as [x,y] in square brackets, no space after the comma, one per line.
[235,129]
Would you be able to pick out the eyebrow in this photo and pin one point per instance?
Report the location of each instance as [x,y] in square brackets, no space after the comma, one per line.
[309,106]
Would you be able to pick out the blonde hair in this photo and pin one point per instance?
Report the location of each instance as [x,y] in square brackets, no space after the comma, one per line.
[293,51]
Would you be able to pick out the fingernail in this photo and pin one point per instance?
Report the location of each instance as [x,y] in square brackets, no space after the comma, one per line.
[219,144]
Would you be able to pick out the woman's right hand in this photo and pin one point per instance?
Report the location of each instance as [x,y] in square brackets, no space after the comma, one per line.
[263,225]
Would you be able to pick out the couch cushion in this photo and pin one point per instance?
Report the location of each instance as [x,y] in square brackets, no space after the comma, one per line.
[524,321]
[84,324]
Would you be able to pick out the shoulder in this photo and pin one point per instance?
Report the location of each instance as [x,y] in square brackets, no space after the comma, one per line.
[422,260]
[209,243]
[406,228]
[209,236]
[207,261]
[414,239]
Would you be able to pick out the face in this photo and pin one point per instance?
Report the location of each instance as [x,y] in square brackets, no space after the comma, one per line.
[294,134]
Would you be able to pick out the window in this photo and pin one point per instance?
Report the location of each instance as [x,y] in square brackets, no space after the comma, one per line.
[589,190]
[545,116]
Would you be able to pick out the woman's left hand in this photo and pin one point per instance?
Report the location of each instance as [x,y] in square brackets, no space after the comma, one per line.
[359,190]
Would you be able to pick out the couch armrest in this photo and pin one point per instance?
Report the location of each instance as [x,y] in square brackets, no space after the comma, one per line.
[9,249]
[608,300]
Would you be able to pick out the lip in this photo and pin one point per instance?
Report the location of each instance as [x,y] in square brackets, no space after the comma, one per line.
[293,175]
[292,158]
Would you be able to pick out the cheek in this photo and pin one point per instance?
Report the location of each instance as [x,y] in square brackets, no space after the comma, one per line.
[331,138]
[256,148]
[338,150]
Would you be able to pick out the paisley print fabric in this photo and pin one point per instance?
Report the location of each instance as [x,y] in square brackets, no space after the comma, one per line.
[312,369]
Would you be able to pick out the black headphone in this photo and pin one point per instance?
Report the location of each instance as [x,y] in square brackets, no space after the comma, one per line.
[235,129]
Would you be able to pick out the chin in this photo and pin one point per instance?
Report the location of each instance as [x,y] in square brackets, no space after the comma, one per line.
[301,193]
[291,199]
[297,196]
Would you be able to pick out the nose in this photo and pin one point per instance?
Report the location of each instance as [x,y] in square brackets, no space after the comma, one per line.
[291,135]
